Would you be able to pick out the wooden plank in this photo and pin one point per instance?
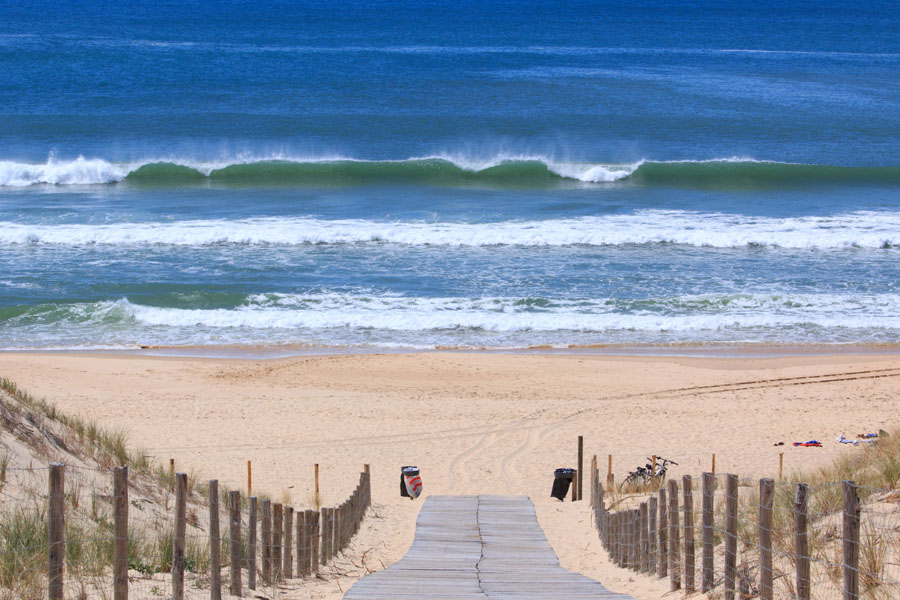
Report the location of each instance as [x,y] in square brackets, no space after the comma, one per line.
[478,547]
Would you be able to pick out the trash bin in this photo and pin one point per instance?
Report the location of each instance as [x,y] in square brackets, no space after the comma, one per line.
[562,479]
[410,482]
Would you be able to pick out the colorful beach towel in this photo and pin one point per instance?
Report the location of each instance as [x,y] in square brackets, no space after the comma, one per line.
[809,444]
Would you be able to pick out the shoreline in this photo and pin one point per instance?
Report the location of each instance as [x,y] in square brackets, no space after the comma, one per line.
[698,350]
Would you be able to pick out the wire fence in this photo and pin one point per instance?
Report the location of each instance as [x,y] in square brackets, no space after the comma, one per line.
[755,538]
[79,532]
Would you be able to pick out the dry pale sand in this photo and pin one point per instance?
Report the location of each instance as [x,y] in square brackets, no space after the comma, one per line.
[473,422]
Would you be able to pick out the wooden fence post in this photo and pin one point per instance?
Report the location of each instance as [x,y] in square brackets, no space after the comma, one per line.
[318,500]
[580,467]
[653,535]
[56,530]
[287,567]
[120,544]
[850,535]
[689,559]
[277,532]
[609,473]
[302,545]
[781,466]
[731,505]
[251,544]
[265,508]
[594,477]
[313,517]
[326,537]
[801,541]
[644,537]
[635,539]
[709,490]
[180,530]
[674,538]
[249,479]
[215,543]
[234,509]
[663,562]
[575,479]
[766,500]
[617,541]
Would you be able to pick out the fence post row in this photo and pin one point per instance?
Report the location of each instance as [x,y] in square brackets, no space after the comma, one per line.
[647,539]
[339,525]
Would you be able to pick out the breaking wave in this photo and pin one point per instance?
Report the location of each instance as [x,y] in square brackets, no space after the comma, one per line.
[512,171]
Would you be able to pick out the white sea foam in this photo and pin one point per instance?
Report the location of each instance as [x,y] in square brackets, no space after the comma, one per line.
[81,171]
[862,229]
[398,313]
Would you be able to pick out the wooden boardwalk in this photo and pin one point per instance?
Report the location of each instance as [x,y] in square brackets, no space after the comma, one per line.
[478,547]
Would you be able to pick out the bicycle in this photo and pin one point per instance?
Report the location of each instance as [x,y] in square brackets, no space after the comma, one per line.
[647,474]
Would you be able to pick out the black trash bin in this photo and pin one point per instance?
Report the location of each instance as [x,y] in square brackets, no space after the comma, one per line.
[404,471]
[562,479]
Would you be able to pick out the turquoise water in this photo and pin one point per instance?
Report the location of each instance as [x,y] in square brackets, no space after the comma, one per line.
[483,175]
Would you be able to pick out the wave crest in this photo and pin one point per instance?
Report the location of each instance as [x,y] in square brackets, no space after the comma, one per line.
[446,171]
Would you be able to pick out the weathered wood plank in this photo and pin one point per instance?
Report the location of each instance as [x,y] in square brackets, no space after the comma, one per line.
[478,547]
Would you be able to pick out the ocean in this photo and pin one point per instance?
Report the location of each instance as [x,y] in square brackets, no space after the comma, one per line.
[393,176]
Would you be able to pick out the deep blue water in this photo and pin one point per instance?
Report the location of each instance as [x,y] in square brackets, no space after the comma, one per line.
[420,175]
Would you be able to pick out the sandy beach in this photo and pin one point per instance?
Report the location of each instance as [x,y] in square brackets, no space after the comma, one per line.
[473,422]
